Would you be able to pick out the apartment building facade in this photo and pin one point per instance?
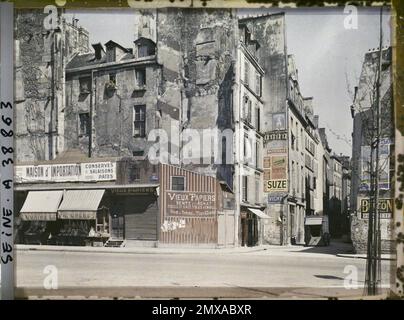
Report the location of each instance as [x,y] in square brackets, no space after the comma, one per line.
[213,96]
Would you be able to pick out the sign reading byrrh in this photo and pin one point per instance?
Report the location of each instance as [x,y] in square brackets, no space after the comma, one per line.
[94,171]
[191,204]
[385,208]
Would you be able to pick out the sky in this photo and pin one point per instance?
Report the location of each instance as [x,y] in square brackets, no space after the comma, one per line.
[328,56]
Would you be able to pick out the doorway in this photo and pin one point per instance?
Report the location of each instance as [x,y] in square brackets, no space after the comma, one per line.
[249,229]
[117,227]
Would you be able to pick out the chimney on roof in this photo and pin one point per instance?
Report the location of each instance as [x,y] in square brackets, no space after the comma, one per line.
[315,121]
[99,50]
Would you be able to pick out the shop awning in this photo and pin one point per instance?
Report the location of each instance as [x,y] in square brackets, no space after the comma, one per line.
[41,206]
[80,204]
[258,213]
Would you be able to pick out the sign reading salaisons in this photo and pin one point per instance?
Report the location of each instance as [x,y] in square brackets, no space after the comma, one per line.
[191,204]
[94,171]
[385,208]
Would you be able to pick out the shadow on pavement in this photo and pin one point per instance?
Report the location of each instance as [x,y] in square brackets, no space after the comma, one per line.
[328,277]
[335,247]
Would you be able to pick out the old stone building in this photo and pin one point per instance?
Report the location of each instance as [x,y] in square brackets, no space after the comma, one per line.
[203,105]
[41,58]
[363,113]
[248,163]
[111,99]
[335,206]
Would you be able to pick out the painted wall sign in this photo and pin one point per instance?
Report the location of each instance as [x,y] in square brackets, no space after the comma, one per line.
[278,121]
[96,171]
[275,173]
[133,190]
[383,215]
[384,205]
[267,162]
[277,151]
[276,185]
[275,198]
[278,168]
[167,226]
[187,203]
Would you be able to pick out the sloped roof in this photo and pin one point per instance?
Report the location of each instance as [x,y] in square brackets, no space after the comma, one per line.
[111,43]
[83,60]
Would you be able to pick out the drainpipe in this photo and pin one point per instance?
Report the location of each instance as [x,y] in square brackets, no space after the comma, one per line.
[284,230]
[90,135]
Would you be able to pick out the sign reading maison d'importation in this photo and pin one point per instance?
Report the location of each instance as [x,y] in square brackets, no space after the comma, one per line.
[74,172]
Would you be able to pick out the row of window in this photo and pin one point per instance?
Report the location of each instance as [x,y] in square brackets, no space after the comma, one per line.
[244,190]
[256,83]
[298,180]
[296,139]
[248,152]
[247,113]
[139,122]
[140,76]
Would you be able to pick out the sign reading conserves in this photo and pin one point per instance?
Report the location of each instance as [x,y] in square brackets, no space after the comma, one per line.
[94,171]
[190,203]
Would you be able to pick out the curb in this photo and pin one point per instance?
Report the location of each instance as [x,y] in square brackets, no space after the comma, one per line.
[356,256]
[135,250]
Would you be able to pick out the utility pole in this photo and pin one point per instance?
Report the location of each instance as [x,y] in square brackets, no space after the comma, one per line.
[373,262]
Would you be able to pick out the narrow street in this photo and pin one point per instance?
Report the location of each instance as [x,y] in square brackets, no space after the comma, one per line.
[277,273]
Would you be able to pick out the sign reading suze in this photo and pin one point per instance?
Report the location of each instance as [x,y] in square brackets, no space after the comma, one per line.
[276,185]
[95,171]
[190,203]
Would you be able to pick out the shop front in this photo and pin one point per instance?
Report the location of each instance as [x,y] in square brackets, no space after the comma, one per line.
[252,224]
[39,216]
[195,210]
[119,203]
[68,215]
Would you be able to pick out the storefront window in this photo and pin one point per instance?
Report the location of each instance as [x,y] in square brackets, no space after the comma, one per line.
[178,183]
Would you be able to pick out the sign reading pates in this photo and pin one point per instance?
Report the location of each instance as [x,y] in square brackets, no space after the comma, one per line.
[191,204]
[276,185]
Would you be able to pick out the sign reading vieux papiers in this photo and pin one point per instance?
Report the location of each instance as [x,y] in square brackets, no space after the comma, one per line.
[190,204]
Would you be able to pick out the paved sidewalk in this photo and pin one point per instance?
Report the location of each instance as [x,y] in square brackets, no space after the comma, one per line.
[145,250]
[335,249]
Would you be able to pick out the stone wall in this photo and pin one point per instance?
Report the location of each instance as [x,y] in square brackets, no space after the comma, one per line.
[197,51]
[359,235]
[269,31]
[41,56]
[112,111]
